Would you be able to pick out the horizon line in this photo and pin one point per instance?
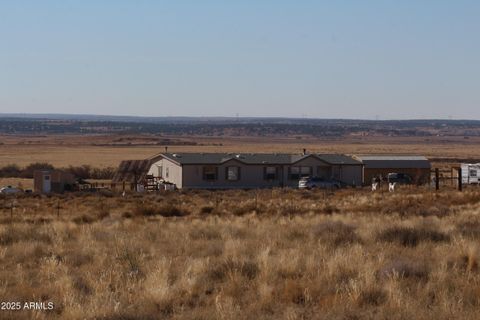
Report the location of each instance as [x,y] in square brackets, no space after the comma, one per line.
[234,117]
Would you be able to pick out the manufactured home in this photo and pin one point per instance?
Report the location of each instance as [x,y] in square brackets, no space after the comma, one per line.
[251,170]
[470,173]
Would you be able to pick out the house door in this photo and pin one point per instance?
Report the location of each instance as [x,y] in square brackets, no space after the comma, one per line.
[47,184]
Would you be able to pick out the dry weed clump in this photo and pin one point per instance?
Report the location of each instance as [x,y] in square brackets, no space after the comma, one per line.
[411,237]
[13,234]
[404,267]
[163,256]
[335,233]
[469,229]
[168,210]
[247,208]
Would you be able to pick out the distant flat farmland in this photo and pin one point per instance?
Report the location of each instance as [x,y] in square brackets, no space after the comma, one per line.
[106,150]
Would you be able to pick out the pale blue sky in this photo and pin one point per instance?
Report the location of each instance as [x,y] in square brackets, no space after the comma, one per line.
[324,59]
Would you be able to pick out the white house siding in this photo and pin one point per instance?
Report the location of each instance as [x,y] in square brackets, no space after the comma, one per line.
[174,171]
[153,171]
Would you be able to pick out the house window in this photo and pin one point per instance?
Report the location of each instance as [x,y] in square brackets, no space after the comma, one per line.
[295,173]
[47,178]
[473,173]
[210,173]
[299,172]
[270,173]
[232,173]
[166,172]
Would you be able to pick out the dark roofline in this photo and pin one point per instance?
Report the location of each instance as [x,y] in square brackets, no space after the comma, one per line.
[168,158]
[231,156]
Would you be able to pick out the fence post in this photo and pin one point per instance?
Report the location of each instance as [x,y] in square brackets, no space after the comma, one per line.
[460,187]
[58,209]
[451,176]
[437,179]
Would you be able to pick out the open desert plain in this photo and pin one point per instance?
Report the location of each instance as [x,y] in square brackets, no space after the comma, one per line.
[239,254]
[239,160]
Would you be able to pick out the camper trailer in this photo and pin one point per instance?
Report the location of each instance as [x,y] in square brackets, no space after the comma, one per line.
[470,173]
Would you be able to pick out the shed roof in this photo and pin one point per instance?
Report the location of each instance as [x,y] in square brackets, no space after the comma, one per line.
[256,158]
[131,171]
[338,159]
[394,161]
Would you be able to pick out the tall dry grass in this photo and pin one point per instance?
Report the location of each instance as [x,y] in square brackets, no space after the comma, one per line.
[269,254]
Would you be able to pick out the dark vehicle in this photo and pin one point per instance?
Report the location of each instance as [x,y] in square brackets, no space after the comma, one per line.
[400,178]
[314,182]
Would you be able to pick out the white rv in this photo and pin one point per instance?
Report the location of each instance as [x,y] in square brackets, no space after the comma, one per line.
[470,173]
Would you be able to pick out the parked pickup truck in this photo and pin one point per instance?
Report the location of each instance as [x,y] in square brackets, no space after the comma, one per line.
[400,178]
[314,182]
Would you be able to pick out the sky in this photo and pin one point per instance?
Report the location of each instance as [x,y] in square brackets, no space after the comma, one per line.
[383,59]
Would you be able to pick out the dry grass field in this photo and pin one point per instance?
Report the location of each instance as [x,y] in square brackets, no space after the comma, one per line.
[270,254]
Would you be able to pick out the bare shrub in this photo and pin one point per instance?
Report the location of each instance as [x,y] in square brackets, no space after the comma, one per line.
[411,237]
[13,235]
[247,269]
[295,292]
[408,206]
[470,229]
[372,297]
[468,261]
[131,262]
[27,172]
[404,267]
[247,208]
[336,233]
[207,209]
[329,209]
[127,215]
[84,219]
[10,171]
[296,235]
[82,286]
[167,210]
